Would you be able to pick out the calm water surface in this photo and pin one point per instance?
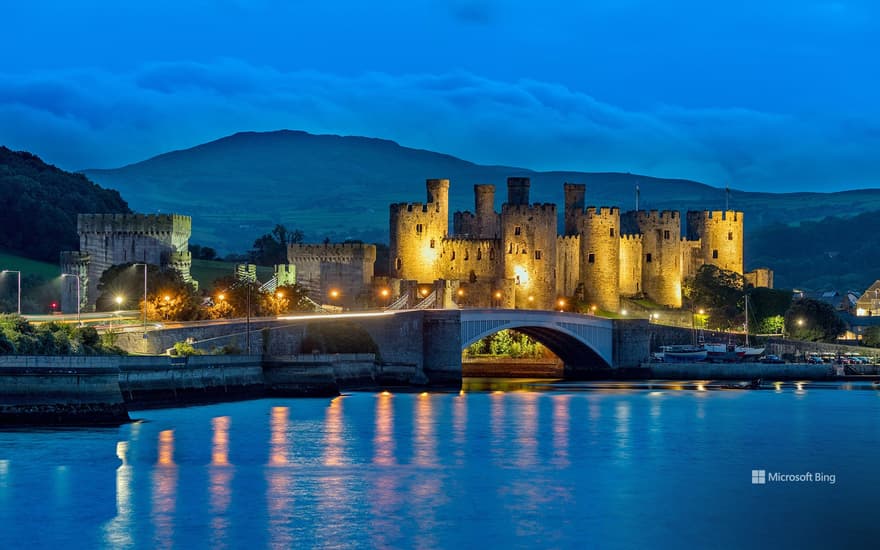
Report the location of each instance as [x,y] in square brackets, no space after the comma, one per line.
[609,465]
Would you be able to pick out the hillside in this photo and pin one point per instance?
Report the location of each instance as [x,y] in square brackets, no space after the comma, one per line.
[238,187]
[40,203]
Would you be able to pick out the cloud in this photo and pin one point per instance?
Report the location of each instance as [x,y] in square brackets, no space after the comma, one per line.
[95,118]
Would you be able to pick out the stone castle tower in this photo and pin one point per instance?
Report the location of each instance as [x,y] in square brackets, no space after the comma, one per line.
[515,258]
[106,240]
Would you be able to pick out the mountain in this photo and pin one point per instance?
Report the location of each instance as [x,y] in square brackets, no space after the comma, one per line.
[238,187]
[40,203]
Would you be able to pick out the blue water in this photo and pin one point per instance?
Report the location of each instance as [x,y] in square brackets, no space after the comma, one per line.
[557,465]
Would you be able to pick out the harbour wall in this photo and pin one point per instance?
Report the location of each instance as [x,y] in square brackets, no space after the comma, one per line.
[62,390]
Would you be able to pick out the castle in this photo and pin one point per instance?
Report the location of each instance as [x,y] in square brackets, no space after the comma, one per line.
[517,258]
[106,240]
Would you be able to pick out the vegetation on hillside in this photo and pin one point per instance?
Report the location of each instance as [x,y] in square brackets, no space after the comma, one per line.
[40,204]
[833,253]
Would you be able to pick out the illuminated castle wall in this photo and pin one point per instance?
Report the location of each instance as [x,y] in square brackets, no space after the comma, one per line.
[516,258]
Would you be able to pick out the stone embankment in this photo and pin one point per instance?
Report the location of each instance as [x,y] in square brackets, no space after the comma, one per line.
[75,390]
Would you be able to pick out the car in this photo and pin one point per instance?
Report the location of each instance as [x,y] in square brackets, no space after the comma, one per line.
[772,359]
[814,360]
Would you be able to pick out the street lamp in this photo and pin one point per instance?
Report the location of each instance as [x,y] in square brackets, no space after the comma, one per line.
[19,286]
[498,298]
[78,301]
[385,293]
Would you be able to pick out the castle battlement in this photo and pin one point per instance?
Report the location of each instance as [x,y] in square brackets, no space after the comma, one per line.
[657,216]
[716,215]
[465,240]
[568,239]
[321,252]
[602,211]
[632,238]
[409,207]
[133,223]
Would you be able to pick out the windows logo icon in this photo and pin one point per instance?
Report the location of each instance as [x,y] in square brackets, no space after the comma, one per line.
[759,477]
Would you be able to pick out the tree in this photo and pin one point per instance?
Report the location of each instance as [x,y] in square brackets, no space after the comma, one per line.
[719,292]
[809,319]
[271,248]
[169,297]
[202,252]
[767,308]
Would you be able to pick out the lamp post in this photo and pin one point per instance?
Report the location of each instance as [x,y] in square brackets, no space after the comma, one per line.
[78,301]
[145,296]
[118,301]
[19,286]
[385,293]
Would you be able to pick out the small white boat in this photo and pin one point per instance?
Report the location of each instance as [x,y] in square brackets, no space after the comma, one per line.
[684,353]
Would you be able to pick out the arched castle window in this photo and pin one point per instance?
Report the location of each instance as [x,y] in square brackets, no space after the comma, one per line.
[398,264]
[453,255]
[466,255]
[517,230]
[510,248]
[473,277]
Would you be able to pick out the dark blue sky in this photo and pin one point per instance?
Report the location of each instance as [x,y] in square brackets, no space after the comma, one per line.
[755,94]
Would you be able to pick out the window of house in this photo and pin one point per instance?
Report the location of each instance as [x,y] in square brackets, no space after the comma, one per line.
[517,230]
[537,254]
[715,254]
[648,257]
[591,258]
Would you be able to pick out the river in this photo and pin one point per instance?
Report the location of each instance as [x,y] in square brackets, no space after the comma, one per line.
[500,464]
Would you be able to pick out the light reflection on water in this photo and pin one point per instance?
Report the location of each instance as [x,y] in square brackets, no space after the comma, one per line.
[568,465]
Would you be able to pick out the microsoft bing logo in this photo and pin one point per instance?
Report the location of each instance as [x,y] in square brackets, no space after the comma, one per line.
[759,477]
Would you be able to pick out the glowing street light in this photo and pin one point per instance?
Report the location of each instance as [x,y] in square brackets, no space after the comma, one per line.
[78,300]
[19,286]
[118,301]
[800,322]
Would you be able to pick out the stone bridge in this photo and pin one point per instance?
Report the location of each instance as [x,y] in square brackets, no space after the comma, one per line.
[430,340]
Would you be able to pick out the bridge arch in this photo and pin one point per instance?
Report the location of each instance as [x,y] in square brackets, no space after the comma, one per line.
[579,340]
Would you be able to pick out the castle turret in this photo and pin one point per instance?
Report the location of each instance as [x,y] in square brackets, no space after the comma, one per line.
[528,235]
[600,257]
[416,230]
[574,207]
[518,191]
[630,265]
[721,237]
[661,253]
[484,206]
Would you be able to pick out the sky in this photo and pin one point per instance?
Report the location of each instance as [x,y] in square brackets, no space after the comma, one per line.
[758,95]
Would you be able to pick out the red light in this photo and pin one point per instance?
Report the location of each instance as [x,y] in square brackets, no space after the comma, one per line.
[54,305]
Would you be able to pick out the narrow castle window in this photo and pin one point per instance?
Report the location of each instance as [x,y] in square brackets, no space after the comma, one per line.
[730,235]
[591,258]
[715,254]
[612,231]
[510,248]
[517,230]
[398,264]
[491,254]
[479,254]
[537,254]
[418,229]
[453,255]
[466,255]
[648,257]
[666,234]
[432,243]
